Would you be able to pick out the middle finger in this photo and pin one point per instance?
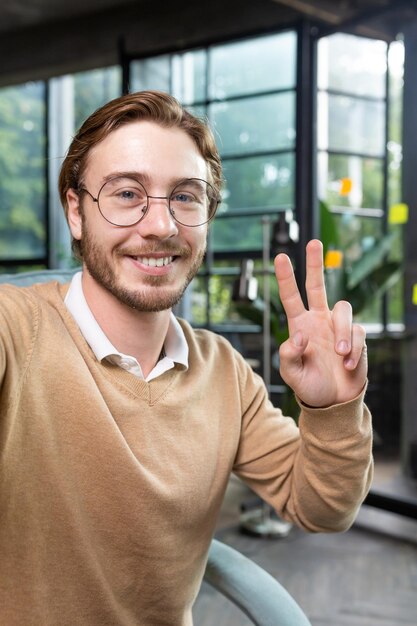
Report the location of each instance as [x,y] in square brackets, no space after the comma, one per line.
[315,287]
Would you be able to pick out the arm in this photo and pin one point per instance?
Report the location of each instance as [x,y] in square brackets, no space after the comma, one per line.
[318,474]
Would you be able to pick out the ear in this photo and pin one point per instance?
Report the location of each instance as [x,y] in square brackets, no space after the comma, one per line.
[74,214]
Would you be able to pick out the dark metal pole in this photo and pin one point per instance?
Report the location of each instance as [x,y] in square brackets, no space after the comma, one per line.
[306,203]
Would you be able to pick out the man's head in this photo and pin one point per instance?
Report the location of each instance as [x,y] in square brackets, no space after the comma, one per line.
[140,181]
[154,106]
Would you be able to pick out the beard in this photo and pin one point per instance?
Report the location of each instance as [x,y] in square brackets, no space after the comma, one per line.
[158,295]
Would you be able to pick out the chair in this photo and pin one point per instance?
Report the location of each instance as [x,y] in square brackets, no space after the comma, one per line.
[251,588]
[235,576]
[24,279]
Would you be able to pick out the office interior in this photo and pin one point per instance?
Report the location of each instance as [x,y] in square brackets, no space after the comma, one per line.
[314,107]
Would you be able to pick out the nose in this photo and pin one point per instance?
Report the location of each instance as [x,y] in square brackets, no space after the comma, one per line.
[158,222]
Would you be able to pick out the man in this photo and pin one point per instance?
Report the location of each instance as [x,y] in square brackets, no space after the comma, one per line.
[120,425]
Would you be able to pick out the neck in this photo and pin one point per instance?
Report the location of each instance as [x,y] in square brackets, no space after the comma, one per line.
[137,333]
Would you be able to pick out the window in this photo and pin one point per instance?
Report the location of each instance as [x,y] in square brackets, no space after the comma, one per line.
[93,89]
[23,206]
[72,99]
[353,135]
[395,307]
[33,230]
[246,89]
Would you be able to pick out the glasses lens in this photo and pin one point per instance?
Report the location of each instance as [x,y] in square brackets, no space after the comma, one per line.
[122,201]
[193,202]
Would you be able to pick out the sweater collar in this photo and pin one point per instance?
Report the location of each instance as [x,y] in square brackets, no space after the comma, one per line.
[175,345]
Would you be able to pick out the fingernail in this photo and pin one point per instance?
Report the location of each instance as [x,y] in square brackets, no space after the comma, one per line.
[342,346]
[350,363]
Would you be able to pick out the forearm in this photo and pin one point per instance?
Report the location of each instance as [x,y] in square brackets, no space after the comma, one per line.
[316,475]
[333,466]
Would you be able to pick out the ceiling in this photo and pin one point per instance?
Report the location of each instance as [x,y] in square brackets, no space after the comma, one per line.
[18,14]
[42,38]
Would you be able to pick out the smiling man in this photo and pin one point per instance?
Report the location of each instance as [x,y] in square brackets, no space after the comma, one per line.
[140,258]
[120,424]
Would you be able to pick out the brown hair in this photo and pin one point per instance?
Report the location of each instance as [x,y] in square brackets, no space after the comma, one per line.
[156,106]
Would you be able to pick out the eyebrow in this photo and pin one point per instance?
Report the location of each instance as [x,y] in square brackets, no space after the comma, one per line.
[142,177]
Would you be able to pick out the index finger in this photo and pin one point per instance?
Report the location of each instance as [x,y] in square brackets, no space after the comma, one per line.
[288,289]
[315,286]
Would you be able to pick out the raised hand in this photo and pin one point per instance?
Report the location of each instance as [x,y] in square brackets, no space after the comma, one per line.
[324,360]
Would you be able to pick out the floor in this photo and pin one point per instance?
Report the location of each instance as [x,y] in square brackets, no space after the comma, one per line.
[364,577]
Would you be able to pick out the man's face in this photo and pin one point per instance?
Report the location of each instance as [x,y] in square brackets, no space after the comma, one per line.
[146,266]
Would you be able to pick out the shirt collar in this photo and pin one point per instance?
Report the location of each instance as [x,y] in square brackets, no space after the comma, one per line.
[175,344]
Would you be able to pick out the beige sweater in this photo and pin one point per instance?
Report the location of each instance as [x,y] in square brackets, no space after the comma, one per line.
[110,486]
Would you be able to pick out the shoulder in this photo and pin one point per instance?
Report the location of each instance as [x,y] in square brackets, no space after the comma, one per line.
[212,349]
[203,341]
[22,306]
[26,313]
[27,297]
[16,299]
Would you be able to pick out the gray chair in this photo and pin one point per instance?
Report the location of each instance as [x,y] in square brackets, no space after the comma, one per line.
[251,588]
[24,279]
[239,579]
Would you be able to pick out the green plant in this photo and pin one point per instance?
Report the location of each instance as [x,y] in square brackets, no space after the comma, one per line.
[369,276]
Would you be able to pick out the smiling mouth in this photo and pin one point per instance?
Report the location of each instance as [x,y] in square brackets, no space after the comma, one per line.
[154,262]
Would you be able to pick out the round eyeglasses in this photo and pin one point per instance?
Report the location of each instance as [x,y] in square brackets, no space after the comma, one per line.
[124,201]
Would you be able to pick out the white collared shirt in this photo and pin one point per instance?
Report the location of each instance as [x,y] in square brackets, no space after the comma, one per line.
[175,344]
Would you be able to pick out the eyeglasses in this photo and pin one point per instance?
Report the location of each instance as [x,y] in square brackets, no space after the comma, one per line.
[124,201]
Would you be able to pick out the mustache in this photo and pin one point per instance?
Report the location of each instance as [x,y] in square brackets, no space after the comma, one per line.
[166,249]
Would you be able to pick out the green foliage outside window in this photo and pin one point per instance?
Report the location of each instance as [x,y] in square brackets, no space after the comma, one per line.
[93,89]
[22,172]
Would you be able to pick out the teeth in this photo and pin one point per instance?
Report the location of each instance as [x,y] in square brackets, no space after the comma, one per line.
[152,262]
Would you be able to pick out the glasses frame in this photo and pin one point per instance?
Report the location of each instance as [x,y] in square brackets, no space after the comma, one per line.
[145,210]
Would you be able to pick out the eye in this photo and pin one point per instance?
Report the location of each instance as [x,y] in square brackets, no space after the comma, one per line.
[183,197]
[124,192]
[131,196]
[127,193]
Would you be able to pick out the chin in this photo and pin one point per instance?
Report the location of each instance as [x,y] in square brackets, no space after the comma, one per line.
[147,299]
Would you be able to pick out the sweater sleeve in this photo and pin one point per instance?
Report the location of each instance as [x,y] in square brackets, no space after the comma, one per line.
[315,474]
[2,353]
[18,327]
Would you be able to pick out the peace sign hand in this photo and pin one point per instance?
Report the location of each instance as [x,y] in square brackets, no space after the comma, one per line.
[324,360]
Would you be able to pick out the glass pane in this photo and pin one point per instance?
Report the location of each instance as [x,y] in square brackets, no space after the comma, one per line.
[154,73]
[189,76]
[396,303]
[352,64]
[220,298]
[255,124]
[396,69]
[371,312]
[93,89]
[224,234]
[395,156]
[198,291]
[198,111]
[356,233]
[349,125]
[22,171]
[259,182]
[260,64]
[351,181]
[396,293]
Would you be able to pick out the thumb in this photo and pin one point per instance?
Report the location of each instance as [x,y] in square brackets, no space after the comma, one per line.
[290,356]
